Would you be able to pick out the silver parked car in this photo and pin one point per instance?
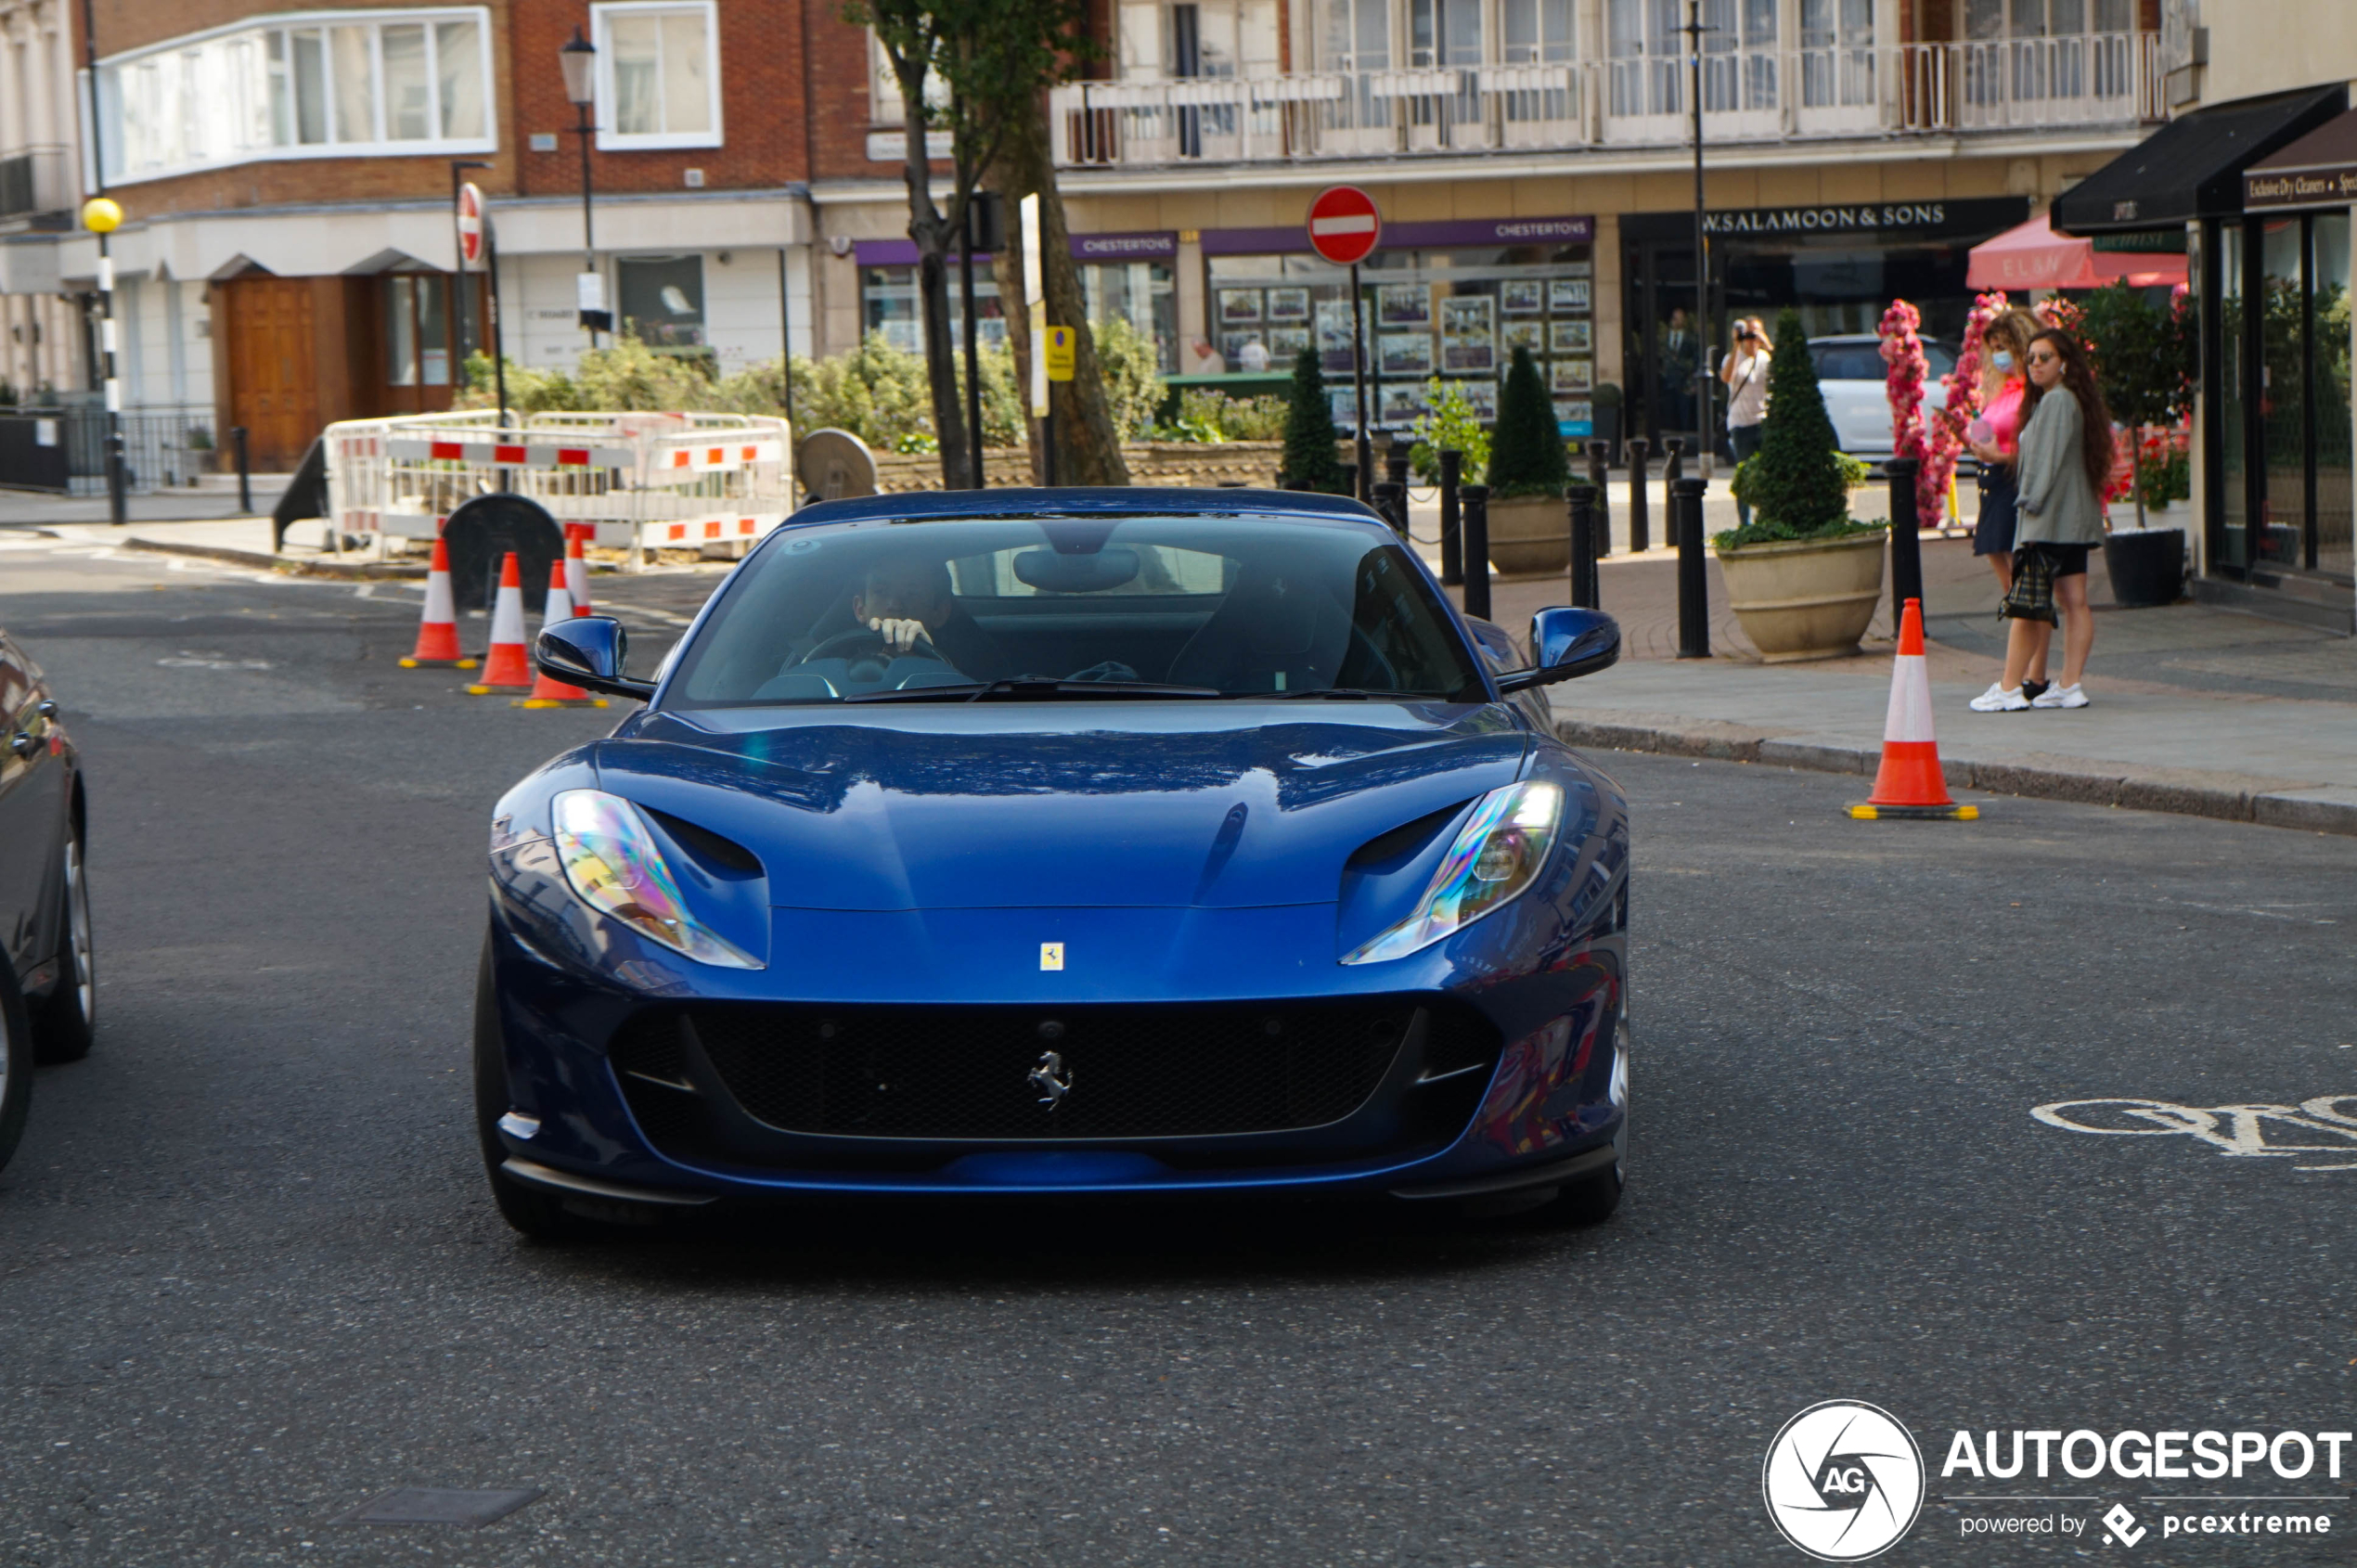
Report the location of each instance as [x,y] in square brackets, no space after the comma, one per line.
[1854,379]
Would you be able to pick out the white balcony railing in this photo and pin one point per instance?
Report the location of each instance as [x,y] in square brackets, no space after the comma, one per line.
[1749,97]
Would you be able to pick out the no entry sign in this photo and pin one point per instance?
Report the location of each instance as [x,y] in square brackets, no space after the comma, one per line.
[469,225]
[1344,225]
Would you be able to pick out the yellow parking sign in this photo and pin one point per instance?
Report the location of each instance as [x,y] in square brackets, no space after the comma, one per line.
[1060,353]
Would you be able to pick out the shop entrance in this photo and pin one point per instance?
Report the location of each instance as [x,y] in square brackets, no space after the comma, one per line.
[1664,342]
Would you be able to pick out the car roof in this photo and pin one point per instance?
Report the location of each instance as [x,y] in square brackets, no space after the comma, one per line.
[915,506]
[1875,338]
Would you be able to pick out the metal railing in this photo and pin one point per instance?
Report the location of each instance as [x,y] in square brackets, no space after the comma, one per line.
[64,450]
[1749,97]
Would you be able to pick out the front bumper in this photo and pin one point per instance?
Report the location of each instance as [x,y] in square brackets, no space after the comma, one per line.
[1497,1067]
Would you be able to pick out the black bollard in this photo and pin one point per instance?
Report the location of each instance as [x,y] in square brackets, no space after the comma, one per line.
[1640,524]
[1350,480]
[1600,475]
[1362,472]
[1906,543]
[1452,554]
[1583,547]
[1395,463]
[1671,470]
[1477,529]
[245,470]
[1694,586]
[1391,505]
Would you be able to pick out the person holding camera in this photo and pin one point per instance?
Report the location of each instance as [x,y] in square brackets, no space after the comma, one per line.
[1745,370]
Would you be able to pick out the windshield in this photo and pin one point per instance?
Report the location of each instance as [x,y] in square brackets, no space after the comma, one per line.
[946,609]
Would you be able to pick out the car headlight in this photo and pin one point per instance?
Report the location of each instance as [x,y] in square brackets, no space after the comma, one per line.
[614,865]
[1496,855]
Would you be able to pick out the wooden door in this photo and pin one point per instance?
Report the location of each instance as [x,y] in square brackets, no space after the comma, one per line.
[272,337]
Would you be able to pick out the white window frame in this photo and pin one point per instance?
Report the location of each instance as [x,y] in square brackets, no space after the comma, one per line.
[166,56]
[611,140]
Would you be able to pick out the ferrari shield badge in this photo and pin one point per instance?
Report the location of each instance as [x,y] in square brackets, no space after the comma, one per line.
[1051,955]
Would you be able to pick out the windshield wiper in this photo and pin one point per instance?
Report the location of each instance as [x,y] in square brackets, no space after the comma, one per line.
[1032,690]
[1357,693]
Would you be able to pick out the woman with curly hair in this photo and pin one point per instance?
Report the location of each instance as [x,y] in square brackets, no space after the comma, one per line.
[2063,463]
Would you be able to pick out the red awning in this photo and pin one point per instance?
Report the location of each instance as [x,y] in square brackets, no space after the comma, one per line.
[2034,256]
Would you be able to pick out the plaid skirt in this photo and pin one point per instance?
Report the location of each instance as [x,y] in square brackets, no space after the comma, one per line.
[2032,594]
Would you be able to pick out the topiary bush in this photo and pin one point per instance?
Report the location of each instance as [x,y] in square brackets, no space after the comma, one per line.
[1526,449]
[1309,461]
[1798,483]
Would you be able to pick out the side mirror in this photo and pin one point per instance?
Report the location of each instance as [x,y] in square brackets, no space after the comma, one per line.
[1569,643]
[589,650]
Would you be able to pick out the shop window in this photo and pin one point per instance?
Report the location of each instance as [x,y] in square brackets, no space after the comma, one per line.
[889,306]
[662,299]
[659,74]
[344,84]
[1141,294]
[2328,312]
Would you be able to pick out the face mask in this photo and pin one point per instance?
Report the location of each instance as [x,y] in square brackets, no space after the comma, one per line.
[2001,360]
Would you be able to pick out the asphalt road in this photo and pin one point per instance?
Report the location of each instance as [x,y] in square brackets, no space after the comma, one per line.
[250,1276]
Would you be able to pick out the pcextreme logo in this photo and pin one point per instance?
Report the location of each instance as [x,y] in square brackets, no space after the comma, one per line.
[1844,1481]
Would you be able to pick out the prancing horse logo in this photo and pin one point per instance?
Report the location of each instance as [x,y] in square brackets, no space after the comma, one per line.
[1051,1078]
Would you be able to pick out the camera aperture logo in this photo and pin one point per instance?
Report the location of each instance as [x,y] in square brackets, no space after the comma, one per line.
[1844,1481]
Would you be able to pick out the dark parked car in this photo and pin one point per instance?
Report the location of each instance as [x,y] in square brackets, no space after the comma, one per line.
[1131,842]
[47,999]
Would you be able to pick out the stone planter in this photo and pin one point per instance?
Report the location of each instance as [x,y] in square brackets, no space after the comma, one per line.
[1805,599]
[1531,535]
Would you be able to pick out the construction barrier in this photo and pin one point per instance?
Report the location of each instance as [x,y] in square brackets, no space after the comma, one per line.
[654,481]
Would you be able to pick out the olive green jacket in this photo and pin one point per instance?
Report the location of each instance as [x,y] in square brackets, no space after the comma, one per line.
[2058,506]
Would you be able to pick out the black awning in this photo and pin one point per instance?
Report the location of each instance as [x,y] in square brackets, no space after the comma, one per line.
[2319,169]
[2193,167]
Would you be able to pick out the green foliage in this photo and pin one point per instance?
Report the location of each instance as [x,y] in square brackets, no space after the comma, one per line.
[2144,352]
[1744,486]
[1526,451]
[1130,366]
[1798,489]
[1309,460]
[1206,414]
[1451,423]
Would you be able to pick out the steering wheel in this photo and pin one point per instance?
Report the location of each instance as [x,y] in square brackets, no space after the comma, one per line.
[862,646]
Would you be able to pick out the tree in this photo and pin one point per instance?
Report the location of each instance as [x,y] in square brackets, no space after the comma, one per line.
[1087,440]
[989,58]
[2144,356]
[1526,448]
[1795,480]
[1310,463]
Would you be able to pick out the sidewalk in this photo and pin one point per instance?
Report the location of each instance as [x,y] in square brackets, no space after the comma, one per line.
[243,541]
[2196,709]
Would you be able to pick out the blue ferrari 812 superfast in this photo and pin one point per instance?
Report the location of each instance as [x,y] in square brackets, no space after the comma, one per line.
[1028,843]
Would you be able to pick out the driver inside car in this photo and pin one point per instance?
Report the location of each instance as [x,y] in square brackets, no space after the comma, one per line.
[903,601]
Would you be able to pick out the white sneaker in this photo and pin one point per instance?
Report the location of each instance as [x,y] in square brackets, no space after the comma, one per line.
[1999,699]
[2060,697]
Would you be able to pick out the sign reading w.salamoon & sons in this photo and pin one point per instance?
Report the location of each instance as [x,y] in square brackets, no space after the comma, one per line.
[1827,220]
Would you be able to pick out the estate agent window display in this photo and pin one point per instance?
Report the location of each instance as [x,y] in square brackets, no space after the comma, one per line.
[1456,314]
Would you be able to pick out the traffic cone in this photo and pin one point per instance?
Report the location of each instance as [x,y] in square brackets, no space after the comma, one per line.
[577,566]
[548,691]
[507,667]
[1909,784]
[438,630]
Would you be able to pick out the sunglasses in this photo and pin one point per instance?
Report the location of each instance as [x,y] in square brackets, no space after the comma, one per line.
[2047,358]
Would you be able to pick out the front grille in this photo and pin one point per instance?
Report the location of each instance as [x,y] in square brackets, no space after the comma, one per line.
[964,1074]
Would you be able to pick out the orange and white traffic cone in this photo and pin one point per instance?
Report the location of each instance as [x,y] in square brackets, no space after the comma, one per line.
[577,566]
[548,691]
[1909,784]
[507,667]
[438,629]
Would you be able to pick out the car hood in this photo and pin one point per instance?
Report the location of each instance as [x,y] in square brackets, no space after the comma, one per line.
[1232,804]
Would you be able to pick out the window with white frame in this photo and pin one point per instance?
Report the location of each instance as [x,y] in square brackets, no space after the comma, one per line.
[309,84]
[658,74]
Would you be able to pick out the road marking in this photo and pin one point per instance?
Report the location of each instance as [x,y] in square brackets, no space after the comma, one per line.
[2235,1131]
[188,661]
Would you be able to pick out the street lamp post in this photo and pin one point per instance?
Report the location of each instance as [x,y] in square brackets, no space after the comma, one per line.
[579,59]
[1705,333]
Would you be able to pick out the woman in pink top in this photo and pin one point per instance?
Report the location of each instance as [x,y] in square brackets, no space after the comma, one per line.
[1994,439]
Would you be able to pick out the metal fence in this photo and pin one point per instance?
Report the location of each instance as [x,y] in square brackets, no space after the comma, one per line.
[64,450]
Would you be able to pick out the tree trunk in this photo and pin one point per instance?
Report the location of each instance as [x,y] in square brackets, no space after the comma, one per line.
[932,232]
[1087,446]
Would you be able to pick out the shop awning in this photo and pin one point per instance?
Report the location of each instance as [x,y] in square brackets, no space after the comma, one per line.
[2193,167]
[2319,169]
[2034,256]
